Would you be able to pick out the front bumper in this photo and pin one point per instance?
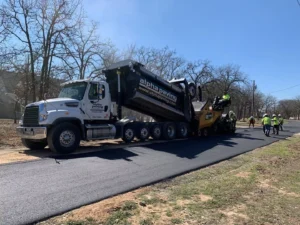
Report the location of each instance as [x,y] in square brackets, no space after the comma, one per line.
[32,132]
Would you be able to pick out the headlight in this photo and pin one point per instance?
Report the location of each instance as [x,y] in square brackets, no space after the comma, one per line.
[21,120]
[43,117]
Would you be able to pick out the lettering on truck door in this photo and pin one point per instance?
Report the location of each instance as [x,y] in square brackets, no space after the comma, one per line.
[97,105]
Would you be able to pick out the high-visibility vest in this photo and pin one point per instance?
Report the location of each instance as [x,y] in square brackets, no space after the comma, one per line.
[266,121]
[275,121]
[226,97]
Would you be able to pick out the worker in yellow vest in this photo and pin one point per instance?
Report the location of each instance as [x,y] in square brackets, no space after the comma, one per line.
[281,121]
[266,122]
[275,124]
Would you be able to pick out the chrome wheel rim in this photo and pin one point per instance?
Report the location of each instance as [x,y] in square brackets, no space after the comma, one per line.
[183,131]
[171,131]
[67,138]
[129,134]
[144,133]
[157,132]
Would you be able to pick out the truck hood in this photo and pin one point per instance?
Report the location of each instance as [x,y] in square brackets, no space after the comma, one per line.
[55,103]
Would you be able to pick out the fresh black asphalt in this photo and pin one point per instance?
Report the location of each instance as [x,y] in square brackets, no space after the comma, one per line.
[33,191]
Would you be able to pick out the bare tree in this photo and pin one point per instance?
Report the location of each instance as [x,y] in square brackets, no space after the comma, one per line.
[297,107]
[287,107]
[269,103]
[228,76]
[54,20]
[17,21]
[86,55]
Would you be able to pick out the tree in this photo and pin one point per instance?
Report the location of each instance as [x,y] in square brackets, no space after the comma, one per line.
[287,107]
[17,18]
[228,77]
[55,19]
[85,54]
[269,104]
[297,107]
[163,62]
[36,28]
[200,73]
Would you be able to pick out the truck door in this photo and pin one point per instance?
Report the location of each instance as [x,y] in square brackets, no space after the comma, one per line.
[97,105]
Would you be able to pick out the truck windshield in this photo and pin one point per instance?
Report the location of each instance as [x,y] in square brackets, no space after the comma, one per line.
[74,90]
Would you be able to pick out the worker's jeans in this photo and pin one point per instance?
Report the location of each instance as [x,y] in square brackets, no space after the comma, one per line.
[281,126]
[276,129]
[267,129]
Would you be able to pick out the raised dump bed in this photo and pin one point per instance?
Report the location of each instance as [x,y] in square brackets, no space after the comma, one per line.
[145,92]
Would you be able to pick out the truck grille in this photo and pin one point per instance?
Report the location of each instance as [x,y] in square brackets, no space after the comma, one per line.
[31,116]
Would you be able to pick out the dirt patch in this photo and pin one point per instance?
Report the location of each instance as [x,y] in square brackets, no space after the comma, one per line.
[8,135]
[243,174]
[99,211]
[292,194]
[205,198]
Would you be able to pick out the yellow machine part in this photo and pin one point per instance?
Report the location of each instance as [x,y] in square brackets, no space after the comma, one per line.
[207,117]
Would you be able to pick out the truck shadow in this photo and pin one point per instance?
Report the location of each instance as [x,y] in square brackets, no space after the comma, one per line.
[189,148]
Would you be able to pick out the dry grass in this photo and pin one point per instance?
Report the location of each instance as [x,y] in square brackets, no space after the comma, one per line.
[260,187]
[8,135]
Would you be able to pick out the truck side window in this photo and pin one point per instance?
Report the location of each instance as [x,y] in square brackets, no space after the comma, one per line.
[101,91]
[93,92]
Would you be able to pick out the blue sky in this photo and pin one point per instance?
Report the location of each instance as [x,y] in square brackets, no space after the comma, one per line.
[262,36]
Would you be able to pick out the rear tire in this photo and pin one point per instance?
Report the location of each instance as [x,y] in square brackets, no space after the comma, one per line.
[143,133]
[128,133]
[182,130]
[156,132]
[169,131]
[192,90]
[64,138]
[34,145]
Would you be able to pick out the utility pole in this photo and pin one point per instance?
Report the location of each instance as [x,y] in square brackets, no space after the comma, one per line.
[253,92]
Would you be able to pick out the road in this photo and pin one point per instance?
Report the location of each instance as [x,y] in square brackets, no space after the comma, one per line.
[33,191]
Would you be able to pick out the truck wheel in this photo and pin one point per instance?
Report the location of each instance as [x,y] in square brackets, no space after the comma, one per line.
[64,138]
[169,131]
[192,90]
[156,132]
[182,130]
[143,133]
[128,133]
[34,145]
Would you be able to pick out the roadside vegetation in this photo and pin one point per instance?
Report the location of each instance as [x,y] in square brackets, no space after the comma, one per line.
[260,187]
[8,135]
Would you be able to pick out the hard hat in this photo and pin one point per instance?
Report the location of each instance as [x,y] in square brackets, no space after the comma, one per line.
[265,114]
[273,115]
[279,114]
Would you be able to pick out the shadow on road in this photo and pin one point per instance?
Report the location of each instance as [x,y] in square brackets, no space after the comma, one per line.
[188,149]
